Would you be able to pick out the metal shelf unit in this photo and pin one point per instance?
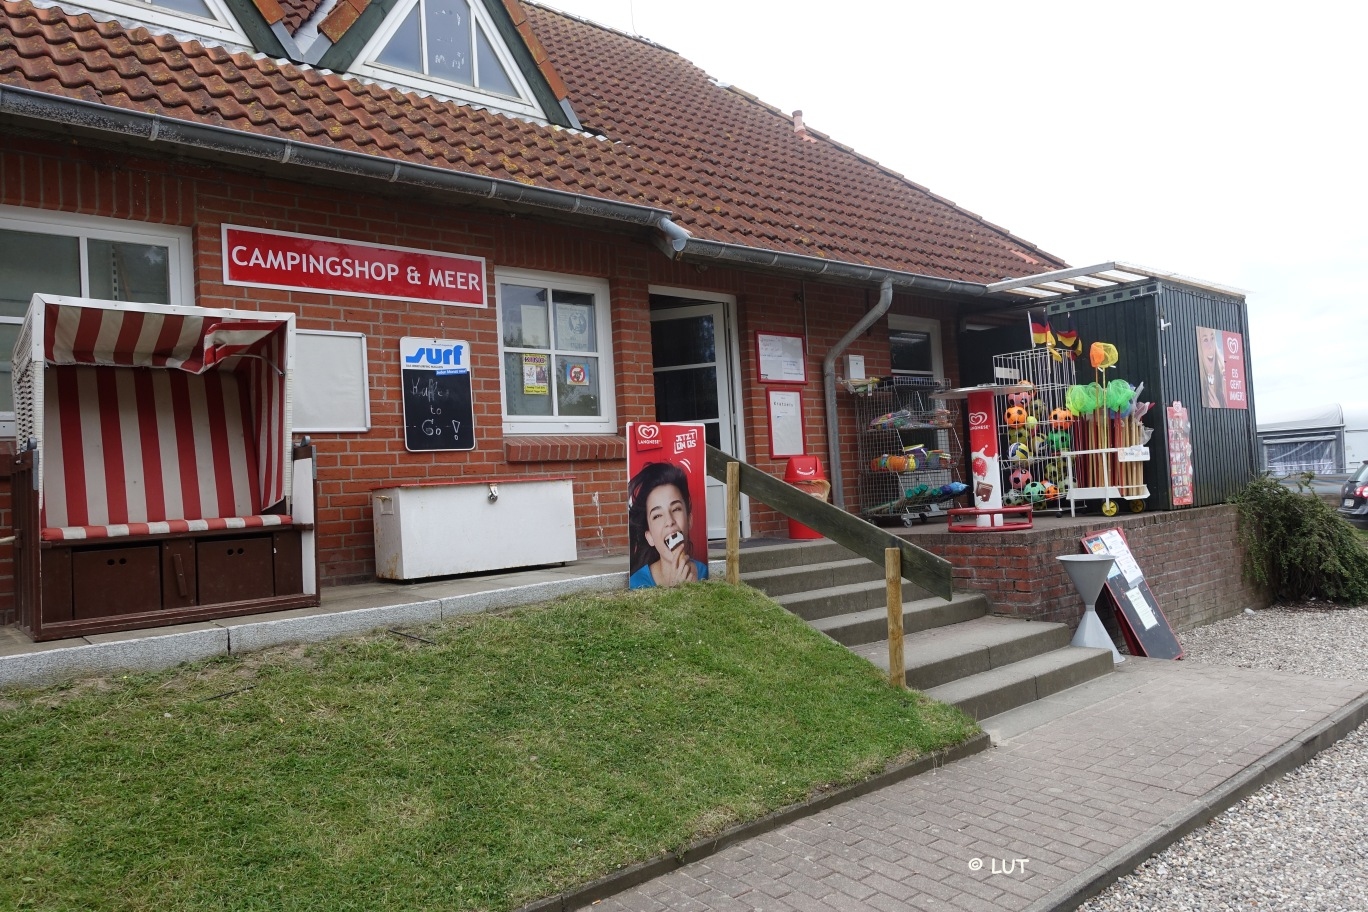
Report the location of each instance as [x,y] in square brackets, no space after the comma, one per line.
[910,454]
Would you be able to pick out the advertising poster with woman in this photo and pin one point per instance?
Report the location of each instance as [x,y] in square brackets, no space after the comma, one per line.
[667,528]
[1220,358]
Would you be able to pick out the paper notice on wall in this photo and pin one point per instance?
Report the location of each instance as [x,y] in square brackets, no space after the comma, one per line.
[1142,609]
[535,379]
[1125,561]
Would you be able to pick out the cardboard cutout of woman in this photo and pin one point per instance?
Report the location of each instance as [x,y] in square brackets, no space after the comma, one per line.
[659,520]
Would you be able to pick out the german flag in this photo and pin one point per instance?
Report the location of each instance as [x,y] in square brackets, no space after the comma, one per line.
[1040,331]
[1069,341]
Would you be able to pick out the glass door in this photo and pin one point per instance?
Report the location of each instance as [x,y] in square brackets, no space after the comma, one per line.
[693,381]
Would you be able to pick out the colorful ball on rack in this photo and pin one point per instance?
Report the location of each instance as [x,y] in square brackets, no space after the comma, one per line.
[1061,418]
[1019,435]
[1040,446]
[1018,452]
[1065,486]
[1040,409]
[1020,400]
[1013,498]
[1060,441]
[1034,492]
[1014,417]
[1031,422]
[1020,478]
[1054,472]
[1051,492]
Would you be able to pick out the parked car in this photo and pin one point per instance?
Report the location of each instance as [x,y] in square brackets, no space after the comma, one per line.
[1354,497]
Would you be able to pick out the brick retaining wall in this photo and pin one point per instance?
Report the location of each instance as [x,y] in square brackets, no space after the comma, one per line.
[1192,560]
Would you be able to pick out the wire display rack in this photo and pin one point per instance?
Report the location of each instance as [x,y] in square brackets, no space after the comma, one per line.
[1035,428]
[909,449]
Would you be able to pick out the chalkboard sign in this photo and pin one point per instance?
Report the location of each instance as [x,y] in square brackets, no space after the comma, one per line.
[435,388]
[1143,624]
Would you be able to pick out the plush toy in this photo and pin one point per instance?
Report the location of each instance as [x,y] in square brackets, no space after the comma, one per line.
[1061,418]
[1014,417]
[1020,478]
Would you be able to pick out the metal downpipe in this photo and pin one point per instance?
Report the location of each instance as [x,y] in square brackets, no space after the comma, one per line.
[833,426]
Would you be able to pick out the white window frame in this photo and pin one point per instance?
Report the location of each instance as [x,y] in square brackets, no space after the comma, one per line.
[901,323]
[524,106]
[606,423]
[179,258]
[224,28]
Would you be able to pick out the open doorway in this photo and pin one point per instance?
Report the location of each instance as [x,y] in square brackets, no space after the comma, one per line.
[696,362]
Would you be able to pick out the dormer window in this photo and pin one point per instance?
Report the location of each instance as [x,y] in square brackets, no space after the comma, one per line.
[450,48]
[195,18]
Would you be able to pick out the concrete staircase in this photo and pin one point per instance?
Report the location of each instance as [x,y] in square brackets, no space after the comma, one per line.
[954,651]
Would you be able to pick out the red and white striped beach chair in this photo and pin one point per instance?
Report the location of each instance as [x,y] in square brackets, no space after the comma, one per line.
[156,481]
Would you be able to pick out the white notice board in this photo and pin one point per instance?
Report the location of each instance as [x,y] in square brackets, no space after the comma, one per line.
[786,423]
[780,358]
[331,386]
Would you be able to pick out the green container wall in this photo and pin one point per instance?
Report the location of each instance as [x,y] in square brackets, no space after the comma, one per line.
[1163,355]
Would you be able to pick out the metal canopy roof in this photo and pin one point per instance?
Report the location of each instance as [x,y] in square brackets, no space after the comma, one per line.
[1047,286]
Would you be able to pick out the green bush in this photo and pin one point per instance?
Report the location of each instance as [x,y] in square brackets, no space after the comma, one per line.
[1298,546]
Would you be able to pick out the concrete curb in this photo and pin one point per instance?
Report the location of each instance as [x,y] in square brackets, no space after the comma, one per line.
[1089,883]
[637,874]
[233,636]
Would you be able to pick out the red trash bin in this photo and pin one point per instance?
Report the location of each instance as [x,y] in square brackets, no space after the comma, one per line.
[805,473]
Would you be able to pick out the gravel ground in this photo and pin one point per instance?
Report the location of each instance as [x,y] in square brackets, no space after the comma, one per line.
[1299,844]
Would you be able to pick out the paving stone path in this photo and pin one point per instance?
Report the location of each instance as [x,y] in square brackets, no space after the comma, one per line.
[1075,782]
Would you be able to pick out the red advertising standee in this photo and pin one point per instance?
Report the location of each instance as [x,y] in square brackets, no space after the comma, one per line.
[260,258]
[667,523]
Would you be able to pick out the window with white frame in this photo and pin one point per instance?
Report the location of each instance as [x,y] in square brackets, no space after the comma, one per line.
[448,48]
[914,346]
[82,256]
[556,349]
[201,18]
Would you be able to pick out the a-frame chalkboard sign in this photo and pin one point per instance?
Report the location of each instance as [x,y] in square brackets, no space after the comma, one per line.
[1142,621]
[434,378]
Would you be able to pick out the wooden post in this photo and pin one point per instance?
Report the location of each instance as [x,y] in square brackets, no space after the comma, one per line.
[734,523]
[897,672]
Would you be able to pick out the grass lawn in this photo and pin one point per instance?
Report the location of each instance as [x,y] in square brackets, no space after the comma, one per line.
[515,756]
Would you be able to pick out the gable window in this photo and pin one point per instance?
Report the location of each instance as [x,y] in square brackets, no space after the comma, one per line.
[200,18]
[556,351]
[448,47]
[84,257]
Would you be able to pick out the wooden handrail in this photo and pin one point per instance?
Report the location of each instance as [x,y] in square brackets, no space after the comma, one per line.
[918,565]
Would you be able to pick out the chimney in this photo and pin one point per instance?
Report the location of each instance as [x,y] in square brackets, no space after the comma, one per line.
[799,128]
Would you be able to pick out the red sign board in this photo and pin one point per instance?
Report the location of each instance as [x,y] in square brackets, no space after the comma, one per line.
[258,258]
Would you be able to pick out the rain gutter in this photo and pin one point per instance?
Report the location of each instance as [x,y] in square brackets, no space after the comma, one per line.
[28,103]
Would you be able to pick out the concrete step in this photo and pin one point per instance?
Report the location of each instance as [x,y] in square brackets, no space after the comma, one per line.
[943,654]
[857,628]
[816,575]
[996,691]
[786,554]
[848,599]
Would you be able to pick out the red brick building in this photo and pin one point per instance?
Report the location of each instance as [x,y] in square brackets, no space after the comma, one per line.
[638,224]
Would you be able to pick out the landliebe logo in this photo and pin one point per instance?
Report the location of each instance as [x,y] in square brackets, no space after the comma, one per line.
[648,437]
[978,419]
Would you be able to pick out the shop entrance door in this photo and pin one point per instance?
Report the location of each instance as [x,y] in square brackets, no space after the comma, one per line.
[695,361]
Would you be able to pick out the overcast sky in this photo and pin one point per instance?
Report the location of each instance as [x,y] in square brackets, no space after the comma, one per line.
[1218,140]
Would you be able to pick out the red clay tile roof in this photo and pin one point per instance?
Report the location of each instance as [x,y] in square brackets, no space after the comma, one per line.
[730,168]
[297,12]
